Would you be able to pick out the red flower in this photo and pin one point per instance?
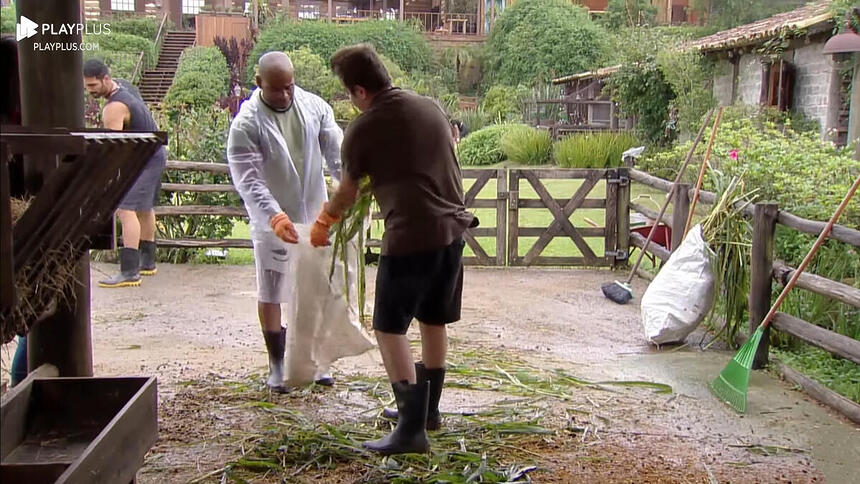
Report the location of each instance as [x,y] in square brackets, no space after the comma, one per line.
[733,154]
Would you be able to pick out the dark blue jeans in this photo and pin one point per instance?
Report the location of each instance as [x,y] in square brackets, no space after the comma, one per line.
[19,362]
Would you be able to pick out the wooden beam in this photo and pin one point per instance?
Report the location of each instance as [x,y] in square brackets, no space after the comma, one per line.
[401,10]
[191,187]
[501,215]
[639,241]
[623,213]
[197,166]
[8,298]
[819,285]
[651,181]
[840,345]
[200,210]
[62,339]
[840,232]
[821,393]
[761,269]
[652,214]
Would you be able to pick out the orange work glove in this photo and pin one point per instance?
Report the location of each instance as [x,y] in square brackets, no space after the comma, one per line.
[321,227]
[284,228]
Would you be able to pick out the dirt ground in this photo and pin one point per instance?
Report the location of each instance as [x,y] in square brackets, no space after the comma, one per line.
[195,328]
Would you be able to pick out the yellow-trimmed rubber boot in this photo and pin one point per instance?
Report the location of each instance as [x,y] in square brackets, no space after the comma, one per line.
[147,258]
[129,275]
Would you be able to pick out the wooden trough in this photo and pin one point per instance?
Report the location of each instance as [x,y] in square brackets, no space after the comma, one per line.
[77,430]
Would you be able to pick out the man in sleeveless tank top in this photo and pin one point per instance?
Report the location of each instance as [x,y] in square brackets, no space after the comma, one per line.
[126,110]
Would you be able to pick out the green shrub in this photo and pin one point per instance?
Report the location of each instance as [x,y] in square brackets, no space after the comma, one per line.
[484,147]
[121,64]
[132,44]
[527,146]
[344,110]
[402,42]
[398,40]
[202,78]
[146,27]
[196,134]
[474,119]
[536,40]
[314,75]
[592,150]
[7,19]
[504,103]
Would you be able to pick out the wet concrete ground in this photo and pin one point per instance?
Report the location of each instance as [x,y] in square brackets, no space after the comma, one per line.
[191,321]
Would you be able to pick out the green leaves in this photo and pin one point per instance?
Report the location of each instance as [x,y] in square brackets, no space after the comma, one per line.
[484,147]
[536,40]
[202,78]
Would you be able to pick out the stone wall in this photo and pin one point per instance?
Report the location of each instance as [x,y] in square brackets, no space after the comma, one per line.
[816,83]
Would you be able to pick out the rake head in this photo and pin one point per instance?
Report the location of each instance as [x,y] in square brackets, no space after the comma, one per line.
[732,384]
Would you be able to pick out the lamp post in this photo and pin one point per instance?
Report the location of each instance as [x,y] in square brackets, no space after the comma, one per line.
[846,47]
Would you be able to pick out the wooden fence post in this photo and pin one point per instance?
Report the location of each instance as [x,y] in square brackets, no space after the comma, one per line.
[680,210]
[761,270]
[623,218]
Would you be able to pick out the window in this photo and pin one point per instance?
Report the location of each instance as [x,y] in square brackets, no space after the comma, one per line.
[192,7]
[122,5]
[777,83]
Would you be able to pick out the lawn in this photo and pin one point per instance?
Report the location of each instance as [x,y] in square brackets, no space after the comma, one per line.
[560,246]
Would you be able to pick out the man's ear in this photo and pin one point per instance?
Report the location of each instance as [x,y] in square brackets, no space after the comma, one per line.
[259,81]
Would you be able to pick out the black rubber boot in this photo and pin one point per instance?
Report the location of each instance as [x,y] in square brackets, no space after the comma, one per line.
[436,377]
[275,343]
[129,265]
[409,436]
[147,258]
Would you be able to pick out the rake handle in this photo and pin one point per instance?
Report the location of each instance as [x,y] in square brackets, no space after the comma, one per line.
[668,197]
[824,233]
[702,173]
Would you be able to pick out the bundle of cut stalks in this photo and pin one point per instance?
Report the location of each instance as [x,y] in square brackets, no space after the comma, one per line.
[39,286]
[351,226]
[728,234]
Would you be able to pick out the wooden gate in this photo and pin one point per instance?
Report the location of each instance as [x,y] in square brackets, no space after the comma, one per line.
[614,185]
[491,209]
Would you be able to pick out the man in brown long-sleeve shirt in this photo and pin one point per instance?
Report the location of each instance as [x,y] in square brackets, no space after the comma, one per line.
[403,142]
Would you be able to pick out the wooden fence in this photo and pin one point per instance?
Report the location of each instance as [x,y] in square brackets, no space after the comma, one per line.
[503,226]
[764,272]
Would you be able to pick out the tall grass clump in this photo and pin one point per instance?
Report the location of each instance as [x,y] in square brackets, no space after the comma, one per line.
[528,146]
[593,150]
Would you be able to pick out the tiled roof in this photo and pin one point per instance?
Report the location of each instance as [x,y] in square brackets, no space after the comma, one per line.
[803,17]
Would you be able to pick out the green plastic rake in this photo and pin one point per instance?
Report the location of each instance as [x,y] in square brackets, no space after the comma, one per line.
[732,384]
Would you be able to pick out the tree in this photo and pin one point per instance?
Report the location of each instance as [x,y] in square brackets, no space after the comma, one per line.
[536,40]
[629,13]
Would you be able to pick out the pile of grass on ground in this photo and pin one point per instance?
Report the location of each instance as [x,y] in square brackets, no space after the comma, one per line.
[498,444]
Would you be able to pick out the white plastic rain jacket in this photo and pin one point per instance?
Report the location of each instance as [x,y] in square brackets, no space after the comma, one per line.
[263,171]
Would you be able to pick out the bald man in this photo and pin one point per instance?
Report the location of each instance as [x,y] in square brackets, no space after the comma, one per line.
[275,150]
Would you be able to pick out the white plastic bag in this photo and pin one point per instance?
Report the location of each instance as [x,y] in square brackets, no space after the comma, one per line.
[681,294]
[321,327]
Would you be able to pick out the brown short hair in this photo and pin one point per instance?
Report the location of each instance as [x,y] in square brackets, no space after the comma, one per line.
[358,65]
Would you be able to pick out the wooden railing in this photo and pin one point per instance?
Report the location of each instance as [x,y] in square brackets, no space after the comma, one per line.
[138,66]
[764,271]
[563,116]
[447,23]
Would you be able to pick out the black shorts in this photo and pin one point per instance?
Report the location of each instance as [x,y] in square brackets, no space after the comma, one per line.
[427,286]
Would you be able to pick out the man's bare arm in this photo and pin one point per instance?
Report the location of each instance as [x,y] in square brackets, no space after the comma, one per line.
[113,116]
[344,197]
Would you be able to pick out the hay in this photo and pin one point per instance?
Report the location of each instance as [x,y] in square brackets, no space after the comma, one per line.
[40,286]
